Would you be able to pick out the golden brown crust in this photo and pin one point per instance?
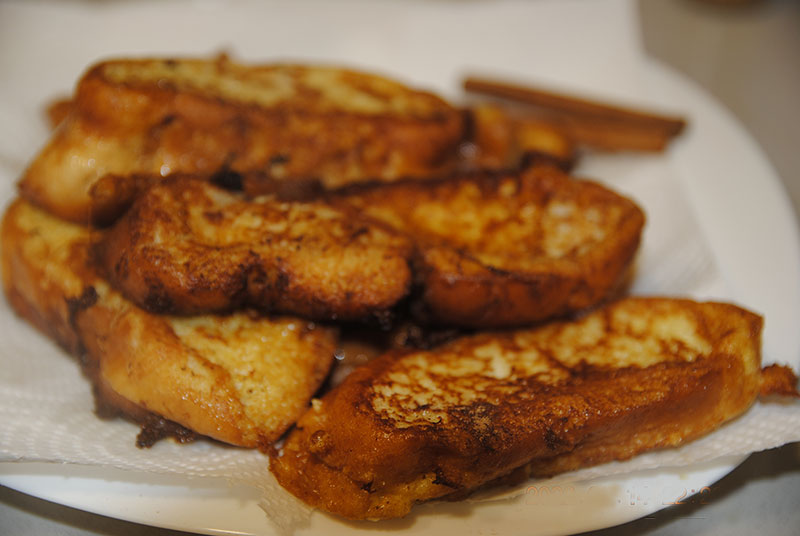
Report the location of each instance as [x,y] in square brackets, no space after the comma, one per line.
[500,140]
[508,249]
[58,110]
[778,380]
[160,116]
[636,375]
[240,378]
[188,247]
[44,293]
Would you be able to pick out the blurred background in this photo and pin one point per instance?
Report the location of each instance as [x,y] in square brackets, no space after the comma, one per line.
[747,54]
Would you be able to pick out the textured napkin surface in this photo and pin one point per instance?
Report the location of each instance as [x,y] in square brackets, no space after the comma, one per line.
[46,405]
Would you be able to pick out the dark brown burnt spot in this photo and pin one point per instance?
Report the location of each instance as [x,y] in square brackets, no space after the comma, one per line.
[84,301]
[167,120]
[122,268]
[383,319]
[552,440]
[479,421]
[227,179]
[360,231]
[157,299]
[282,280]
[256,278]
[279,159]
[239,284]
[442,480]
[156,428]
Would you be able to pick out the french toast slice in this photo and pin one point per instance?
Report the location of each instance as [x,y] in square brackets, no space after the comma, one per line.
[187,246]
[242,378]
[508,249]
[635,375]
[502,140]
[285,122]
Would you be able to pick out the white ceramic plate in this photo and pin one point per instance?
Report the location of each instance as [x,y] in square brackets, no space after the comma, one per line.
[737,198]
[210,507]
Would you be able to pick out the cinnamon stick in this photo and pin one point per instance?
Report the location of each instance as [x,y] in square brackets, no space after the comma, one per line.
[586,121]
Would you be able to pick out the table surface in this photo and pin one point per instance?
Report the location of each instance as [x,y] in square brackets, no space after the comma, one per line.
[746,54]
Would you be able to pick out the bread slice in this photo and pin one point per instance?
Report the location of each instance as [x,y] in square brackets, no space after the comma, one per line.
[636,375]
[508,249]
[286,122]
[241,378]
[502,140]
[187,246]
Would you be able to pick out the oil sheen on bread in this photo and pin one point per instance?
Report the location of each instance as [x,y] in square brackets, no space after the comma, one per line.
[241,378]
[187,246]
[285,122]
[636,375]
[500,249]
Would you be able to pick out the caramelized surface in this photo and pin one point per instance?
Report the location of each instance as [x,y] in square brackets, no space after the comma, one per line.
[187,246]
[500,140]
[241,378]
[287,122]
[509,249]
[636,375]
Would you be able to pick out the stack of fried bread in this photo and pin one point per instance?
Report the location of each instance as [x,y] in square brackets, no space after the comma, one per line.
[282,122]
[241,378]
[200,234]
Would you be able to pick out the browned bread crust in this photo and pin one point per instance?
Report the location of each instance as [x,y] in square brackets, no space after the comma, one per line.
[188,247]
[241,378]
[501,140]
[288,122]
[636,375]
[508,249]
